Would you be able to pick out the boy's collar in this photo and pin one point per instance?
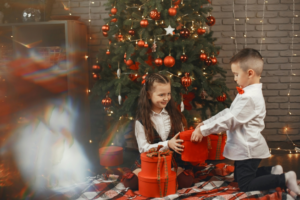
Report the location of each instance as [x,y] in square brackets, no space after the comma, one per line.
[252,86]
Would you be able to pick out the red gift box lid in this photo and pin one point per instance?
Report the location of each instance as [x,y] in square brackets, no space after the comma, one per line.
[110,150]
[186,135]
[154,159]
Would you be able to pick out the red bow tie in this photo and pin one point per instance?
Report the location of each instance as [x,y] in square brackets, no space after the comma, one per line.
[240,90]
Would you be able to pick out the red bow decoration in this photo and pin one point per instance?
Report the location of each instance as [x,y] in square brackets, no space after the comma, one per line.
[189,172]
[186,100]
[240,90]
[127,175]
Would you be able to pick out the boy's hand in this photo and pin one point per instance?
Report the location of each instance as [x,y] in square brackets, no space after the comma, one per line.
[175,144]
[198,126]
[197,135]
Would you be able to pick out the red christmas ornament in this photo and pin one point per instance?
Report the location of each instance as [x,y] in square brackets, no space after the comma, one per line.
[218,52]
[222,98]
[158,16]
[185,33]
[208,62]
[114,20]
[169,61]
[113,11]
[172,11]
[96,68]
[154,14]
[200,31]
[105,28]
[186,81]
[129,62]
[176,2]
[214,60]
[141,43]
[146,45]
[125,57]
[106,102]
[133,77]
[176,6]
[131,32]
[203,56]
[105,34]
[144,23]
[183,58]
[120,37]
[95,76]
[144,79]
[158,62]
[210,21]
[107,52]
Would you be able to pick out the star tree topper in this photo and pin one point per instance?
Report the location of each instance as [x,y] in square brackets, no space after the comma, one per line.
[169,30]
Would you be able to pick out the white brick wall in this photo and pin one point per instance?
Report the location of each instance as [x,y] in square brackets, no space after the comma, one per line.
[276,50]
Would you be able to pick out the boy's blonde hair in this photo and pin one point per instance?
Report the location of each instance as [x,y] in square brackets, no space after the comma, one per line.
[249,59]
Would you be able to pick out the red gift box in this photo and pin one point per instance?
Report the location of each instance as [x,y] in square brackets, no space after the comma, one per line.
[149,165]
[148,186]
[216,144]
[196,152]
[111,156]
[156,178]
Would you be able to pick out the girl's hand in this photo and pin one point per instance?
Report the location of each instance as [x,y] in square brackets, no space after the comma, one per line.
[175,144]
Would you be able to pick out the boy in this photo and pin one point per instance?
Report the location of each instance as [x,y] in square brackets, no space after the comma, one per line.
[244,121]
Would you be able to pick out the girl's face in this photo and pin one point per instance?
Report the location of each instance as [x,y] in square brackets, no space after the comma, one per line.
[160,95]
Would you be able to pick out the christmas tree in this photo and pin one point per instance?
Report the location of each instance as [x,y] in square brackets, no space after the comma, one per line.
[171,37]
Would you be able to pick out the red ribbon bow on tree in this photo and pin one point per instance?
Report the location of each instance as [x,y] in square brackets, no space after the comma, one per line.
[240,90]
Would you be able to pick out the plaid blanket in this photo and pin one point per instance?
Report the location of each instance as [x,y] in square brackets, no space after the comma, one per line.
[209,188]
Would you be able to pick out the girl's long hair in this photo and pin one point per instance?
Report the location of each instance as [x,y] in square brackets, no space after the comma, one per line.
[144,108]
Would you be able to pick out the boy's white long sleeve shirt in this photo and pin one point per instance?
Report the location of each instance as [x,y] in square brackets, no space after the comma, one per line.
[244,122]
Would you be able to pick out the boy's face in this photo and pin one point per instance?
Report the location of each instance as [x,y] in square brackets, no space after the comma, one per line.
[240,76]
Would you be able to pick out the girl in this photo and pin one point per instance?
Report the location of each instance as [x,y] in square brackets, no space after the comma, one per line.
[158,120]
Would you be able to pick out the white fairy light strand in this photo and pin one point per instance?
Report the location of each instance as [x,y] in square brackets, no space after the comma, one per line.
[291,71]
[296,150]
[262,26]
[70,13]
[89,12]
[246,18]
[234,29]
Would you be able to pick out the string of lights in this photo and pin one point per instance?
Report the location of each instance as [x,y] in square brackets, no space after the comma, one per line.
[246,19]
[234,28]
[69,5]
[262,26]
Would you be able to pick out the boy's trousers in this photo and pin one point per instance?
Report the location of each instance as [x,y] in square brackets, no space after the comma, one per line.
[251,178]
